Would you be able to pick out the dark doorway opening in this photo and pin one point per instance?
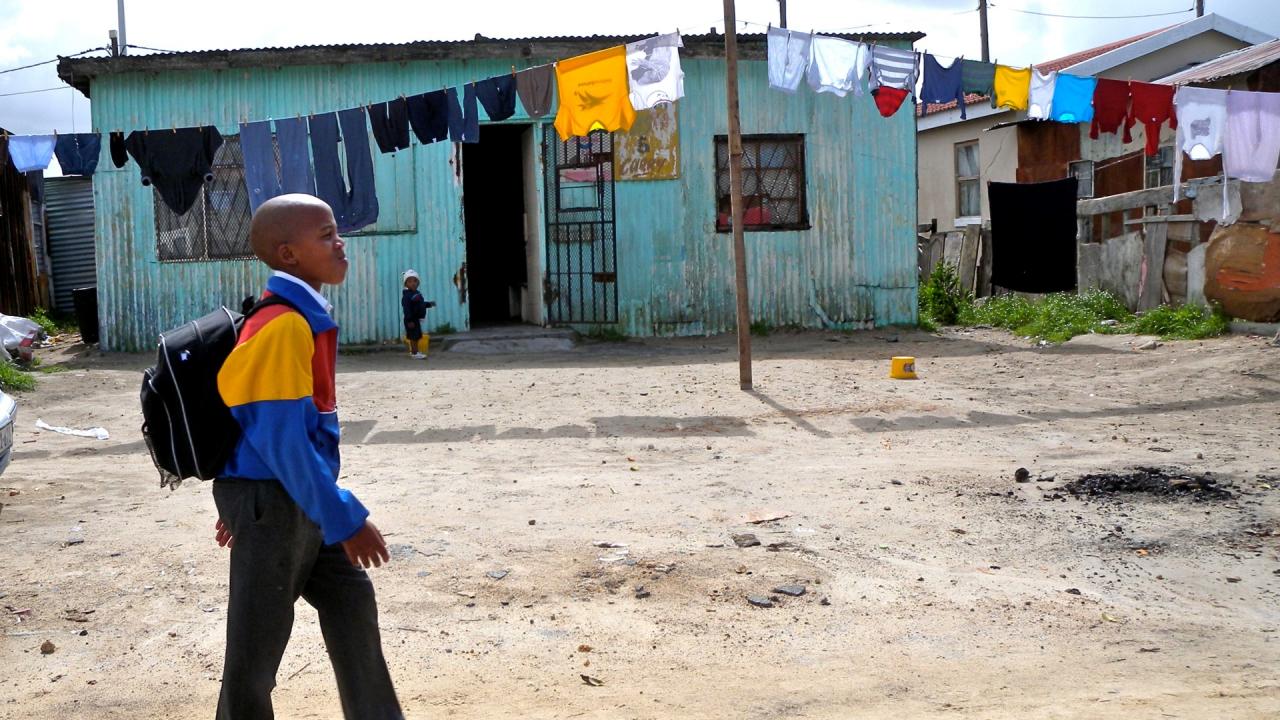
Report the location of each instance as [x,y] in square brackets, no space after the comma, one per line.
[493,197]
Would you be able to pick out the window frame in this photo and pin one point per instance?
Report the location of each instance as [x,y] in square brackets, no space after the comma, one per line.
[1164,156]
[206,205]
[961,180]
[1071,172]
[800,171]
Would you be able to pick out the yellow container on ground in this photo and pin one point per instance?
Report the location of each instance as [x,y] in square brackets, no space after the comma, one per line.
[902,368]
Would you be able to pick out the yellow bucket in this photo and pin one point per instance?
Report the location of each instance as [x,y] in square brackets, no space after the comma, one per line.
[902,368]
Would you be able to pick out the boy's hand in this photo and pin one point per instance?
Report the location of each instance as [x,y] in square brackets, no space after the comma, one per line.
[367,548]
[224,535]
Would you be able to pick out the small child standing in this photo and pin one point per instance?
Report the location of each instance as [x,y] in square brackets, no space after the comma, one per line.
[415,310]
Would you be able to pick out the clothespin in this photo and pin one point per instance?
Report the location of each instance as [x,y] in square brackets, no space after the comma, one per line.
[174,126]
[513,69]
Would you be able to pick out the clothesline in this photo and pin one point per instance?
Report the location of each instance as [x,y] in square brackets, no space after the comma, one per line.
[284,155]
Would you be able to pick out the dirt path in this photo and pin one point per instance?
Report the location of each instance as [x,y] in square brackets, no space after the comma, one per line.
[936,586]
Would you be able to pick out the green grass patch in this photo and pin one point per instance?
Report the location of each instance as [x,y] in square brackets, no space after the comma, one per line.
[1058,317]
[444,329]
[1187,322]
[13,378]
[760,328]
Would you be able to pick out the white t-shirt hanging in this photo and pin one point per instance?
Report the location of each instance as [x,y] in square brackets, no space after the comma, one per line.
[837,66]
[653,71]
[1040,95]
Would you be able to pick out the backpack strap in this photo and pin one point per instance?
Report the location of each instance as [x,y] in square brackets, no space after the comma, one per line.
[267,302]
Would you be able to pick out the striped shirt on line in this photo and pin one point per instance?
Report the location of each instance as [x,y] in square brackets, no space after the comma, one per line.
[894,68]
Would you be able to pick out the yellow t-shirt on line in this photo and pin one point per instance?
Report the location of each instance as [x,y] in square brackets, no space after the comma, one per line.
[594,93]
[1013,87]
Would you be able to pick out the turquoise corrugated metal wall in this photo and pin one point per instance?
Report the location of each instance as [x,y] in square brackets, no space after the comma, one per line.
[855,267]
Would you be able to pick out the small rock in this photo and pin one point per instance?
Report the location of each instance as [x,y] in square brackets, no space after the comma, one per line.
[1073,591]
[745,540]
[607,544]
[423,573]
[1110,323]
[759,601]
[825,601]
[584,648]
[47,647]
[792,590]
[1149,345]
[1022,475]
[1233,579]
[497,574]
[533,522]
[642,593]
[895,482]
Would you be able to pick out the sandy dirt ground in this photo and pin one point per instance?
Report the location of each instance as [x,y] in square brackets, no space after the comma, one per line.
[935,585]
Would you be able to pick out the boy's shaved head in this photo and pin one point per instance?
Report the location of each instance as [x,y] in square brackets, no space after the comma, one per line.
[281,220]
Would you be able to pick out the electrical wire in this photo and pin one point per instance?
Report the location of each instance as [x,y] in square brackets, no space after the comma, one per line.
[1090,17]
[29,92]
[46,62]
[144,47]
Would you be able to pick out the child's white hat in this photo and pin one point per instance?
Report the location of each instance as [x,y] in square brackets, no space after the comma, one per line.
[411,273]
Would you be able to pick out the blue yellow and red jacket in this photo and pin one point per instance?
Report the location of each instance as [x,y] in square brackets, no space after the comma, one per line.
[279,384]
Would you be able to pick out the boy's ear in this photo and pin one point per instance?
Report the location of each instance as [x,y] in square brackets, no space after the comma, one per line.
[285,254]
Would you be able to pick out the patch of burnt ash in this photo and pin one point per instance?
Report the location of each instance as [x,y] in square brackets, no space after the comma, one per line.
[1157,482]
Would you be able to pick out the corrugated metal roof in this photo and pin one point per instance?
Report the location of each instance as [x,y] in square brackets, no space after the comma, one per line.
[78,72]
[1233,63]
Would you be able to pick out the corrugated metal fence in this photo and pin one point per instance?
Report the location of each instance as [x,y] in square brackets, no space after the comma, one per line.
[69,215]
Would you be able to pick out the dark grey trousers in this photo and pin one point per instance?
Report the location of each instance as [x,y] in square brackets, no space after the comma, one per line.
[278,556]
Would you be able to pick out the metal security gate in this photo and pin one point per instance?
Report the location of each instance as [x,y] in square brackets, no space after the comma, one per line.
[581,284]
[69,222]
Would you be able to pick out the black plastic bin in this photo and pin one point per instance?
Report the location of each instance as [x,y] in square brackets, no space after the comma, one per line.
[86,303]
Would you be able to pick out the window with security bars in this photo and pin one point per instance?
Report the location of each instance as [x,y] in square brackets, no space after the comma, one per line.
[217,225]
[773,183]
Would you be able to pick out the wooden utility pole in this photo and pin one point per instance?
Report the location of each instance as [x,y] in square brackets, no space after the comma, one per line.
[735,193]
[782,13]
[1199,8]
[986,41]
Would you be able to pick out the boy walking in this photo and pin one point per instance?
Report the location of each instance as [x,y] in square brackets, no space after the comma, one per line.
[292,531]
[415,309]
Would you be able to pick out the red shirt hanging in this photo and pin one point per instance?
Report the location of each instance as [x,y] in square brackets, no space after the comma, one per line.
[1152,105]
[1110,108]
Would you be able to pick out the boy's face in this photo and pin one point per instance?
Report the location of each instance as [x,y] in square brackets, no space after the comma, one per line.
[411,283]
[316,254]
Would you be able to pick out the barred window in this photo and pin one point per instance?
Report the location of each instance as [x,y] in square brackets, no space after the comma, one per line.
[217,225]
[773,183]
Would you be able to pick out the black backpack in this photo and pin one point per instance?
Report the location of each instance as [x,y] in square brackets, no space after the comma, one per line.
[188,429]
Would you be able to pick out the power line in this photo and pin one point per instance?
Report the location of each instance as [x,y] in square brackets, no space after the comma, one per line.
[144,47]
[29,92]
[1091,17]
[46,62]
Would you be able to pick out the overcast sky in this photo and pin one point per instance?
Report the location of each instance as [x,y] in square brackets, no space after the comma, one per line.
[36,30]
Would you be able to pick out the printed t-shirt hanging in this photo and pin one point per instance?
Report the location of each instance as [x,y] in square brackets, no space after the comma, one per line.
[1201,133]
[1073,98]
[1040,95]
[593,93]
[789,53]
[1013,87]
[836,66]
[653,71]
[1151,105]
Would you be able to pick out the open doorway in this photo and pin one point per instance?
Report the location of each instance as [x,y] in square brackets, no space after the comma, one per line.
[494,195]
